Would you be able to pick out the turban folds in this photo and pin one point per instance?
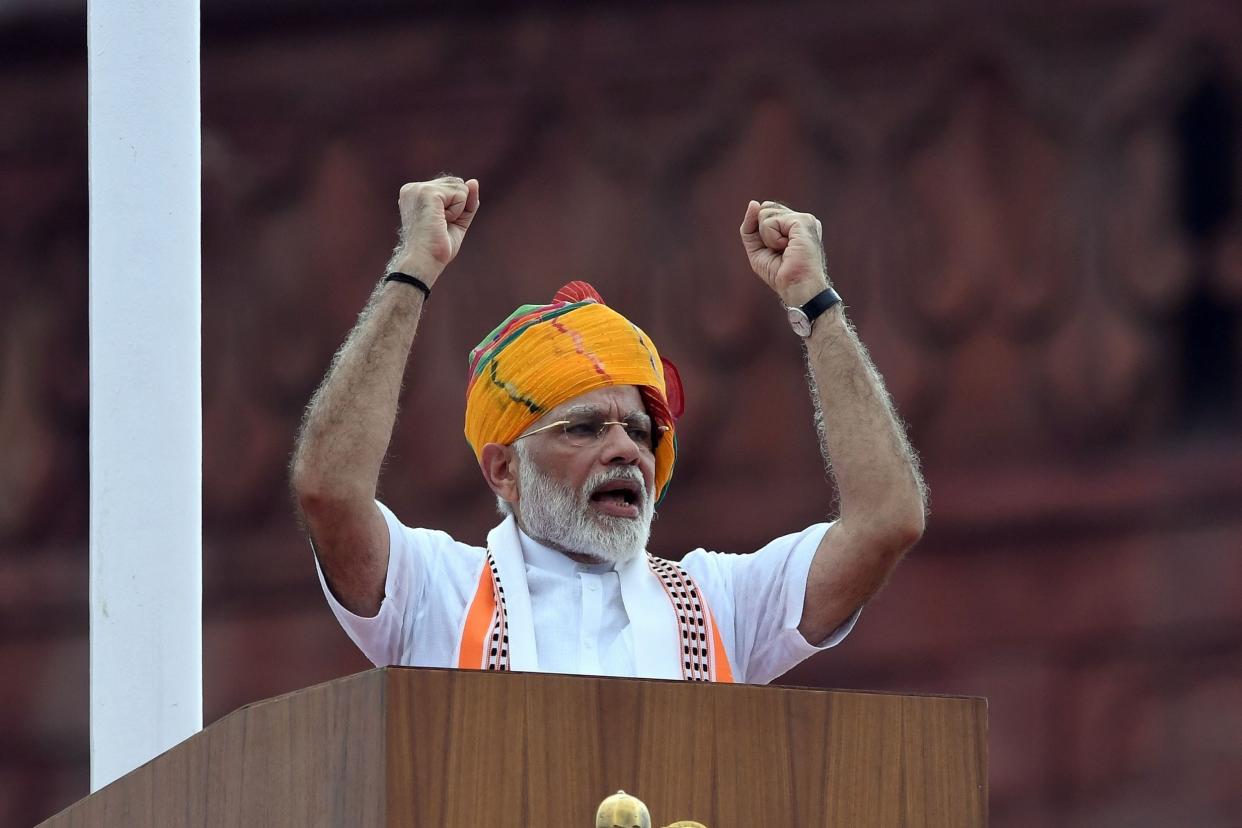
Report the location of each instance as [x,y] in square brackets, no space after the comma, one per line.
[544,355]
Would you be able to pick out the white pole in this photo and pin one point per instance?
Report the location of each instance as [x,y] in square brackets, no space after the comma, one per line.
[146,419]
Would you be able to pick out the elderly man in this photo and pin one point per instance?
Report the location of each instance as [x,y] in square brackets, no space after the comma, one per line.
[572,415]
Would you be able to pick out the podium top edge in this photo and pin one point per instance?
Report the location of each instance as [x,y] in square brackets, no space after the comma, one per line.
[395,670]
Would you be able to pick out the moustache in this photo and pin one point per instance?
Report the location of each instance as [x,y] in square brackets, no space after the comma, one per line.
[626,474]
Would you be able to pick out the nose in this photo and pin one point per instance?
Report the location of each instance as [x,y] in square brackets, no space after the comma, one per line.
[618,447]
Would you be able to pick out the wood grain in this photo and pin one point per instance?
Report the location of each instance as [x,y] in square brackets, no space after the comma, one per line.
[436,748]
[313,757]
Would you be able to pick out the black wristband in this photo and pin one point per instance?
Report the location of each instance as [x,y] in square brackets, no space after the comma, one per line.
[407,279]
[820,302]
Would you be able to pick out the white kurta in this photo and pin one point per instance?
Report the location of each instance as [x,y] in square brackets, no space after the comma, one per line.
[579,611]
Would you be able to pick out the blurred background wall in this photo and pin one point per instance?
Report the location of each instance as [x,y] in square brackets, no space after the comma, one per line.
[1032,210]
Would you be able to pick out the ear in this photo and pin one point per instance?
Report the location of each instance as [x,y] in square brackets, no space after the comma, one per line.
[499,467]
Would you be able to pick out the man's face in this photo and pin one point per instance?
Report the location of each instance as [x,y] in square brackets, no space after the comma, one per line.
[583,494]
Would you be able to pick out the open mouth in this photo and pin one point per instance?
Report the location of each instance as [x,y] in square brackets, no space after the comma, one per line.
[618,497]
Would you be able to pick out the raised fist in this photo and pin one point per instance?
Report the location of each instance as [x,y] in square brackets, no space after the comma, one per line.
[435,216]
[785,250]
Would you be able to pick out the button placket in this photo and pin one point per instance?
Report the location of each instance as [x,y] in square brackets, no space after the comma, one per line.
[592,616]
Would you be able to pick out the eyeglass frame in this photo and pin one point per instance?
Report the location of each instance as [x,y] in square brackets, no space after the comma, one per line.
[657,431]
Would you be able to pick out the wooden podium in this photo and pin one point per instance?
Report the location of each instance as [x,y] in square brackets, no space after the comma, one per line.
[465,749]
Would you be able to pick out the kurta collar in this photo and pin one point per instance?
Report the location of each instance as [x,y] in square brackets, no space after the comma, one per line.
[544,557]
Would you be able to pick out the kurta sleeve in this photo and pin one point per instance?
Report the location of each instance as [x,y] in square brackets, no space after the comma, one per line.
[382,637]
[758,598]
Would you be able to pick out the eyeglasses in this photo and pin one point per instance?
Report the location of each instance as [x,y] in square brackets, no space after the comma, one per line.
[587,431]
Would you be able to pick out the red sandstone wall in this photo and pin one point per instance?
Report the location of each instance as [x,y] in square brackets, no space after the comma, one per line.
[1036,219]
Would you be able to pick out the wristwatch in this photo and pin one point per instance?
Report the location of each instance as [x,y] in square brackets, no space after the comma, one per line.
[801,319]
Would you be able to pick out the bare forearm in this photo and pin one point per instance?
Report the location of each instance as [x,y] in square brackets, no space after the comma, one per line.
[876,472]
[882,501]
[864,445]
[349,421]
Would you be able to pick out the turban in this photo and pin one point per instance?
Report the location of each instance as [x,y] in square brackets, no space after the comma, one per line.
[544,355]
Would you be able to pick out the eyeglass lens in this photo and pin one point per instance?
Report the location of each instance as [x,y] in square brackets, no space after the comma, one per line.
[581,431]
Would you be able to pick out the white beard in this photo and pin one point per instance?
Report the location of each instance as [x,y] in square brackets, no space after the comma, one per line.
[556,515]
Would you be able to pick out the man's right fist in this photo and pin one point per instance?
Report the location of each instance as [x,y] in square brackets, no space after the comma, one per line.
[435,216]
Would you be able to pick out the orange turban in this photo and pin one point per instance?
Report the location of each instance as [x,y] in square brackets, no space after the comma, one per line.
[544,355]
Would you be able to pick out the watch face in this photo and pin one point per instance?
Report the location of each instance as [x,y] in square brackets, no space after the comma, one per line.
[799,321]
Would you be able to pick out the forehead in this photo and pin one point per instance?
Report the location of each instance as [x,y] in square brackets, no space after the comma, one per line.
[615,399]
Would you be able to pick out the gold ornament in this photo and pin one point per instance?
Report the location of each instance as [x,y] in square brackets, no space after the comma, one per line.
[622,811]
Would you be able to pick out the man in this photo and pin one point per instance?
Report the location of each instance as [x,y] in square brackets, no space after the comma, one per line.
[572,414]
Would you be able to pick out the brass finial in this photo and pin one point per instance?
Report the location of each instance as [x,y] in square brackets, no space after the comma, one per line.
[622,811]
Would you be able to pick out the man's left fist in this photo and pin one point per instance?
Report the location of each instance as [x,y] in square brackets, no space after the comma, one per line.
[785,250]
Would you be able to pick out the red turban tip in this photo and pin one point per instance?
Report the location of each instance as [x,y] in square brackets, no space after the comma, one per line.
[578,291]
[675,392]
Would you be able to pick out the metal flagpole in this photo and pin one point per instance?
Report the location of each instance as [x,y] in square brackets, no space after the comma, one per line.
[145,412]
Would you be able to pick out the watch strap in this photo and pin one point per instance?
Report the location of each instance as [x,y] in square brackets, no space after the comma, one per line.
[820,302]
